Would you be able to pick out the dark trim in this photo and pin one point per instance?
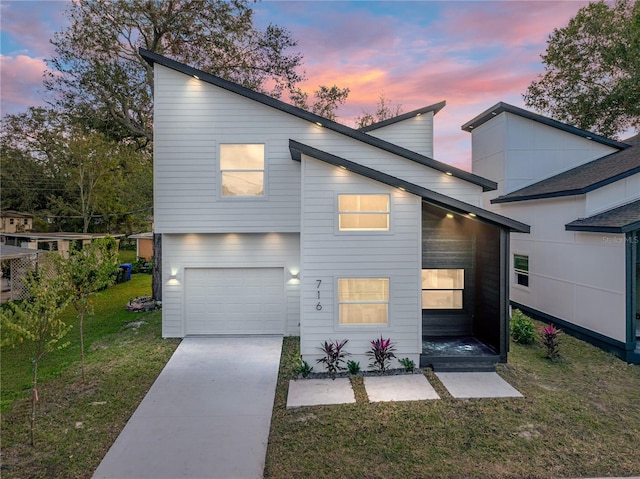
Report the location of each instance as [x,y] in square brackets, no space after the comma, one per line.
[151,58]
[435,108]
[502,107]
[504,294]
[603,229]
[297,149]
[598,223]
[631,247]
[617,348]
[556,194]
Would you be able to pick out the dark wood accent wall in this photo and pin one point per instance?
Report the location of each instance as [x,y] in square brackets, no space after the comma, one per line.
[475,246]
[448,243]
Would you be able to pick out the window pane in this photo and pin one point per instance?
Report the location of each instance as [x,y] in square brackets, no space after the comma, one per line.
[521,262]
[442,299]
[376,289]
[362,203]
[443,279]
[241,157]
[522,279]
[363,313]
[242,183]
[364,222]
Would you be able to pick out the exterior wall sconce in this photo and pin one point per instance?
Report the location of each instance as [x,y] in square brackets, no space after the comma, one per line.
[295,275]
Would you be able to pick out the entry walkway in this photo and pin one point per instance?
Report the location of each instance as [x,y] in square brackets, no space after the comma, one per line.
[207,415]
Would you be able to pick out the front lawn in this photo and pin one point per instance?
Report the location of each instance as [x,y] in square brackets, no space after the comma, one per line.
[77,422]
[579,417]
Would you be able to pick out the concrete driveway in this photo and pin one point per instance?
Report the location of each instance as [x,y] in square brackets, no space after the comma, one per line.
[207,416]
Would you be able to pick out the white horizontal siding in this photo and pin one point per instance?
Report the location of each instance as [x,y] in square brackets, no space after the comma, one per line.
[191,118]
[415,134]
[613,195]
[271,250]
[328,254]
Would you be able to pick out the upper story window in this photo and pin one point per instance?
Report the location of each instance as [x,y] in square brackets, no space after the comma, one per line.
[363,212]
[363,300]
[242,169]
[442,288]
[521,269]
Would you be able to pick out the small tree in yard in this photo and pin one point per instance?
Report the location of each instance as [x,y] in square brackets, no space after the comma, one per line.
[86,271]
[36,321]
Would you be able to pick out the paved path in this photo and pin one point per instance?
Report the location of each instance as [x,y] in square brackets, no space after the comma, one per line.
[207,416]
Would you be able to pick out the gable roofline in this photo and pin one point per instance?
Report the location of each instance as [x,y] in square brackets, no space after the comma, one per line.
[435,108]
[297,149]
[152,58]
[502,107]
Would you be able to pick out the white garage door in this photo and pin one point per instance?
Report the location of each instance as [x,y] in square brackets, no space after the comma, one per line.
[234,301]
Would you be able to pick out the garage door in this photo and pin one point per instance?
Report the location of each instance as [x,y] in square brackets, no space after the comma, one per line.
[234,301]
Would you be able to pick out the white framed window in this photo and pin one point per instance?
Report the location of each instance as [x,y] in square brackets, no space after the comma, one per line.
[363,212]
[242,171]
[521,269]
[442,288]
[363,301]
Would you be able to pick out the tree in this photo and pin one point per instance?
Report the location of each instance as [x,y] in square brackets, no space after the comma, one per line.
[36,321]
[384,111]
[326,103]
[592,70]
[101,79]
[84,272]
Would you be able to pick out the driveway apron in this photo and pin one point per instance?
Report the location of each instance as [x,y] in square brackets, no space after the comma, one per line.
[207,416]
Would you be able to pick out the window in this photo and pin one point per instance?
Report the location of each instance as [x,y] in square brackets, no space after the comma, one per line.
[442,288]
[26,221]
[521,269]
[363,212]
[10,221]
[363,300]
[242,170]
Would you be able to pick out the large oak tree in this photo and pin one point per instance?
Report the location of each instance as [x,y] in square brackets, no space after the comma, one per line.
[592,70]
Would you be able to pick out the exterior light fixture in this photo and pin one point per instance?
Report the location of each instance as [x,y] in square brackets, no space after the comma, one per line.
[449,215]
[343,167]
[401,188]
[473,215]
[318,123]
[196,77]
[448,173]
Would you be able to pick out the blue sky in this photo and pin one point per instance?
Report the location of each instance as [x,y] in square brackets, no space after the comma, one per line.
[472,54]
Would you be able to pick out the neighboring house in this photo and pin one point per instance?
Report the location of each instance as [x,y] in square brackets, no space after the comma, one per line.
[277,221]
[15,222]
[144,246]
[60,242]
[15,263]
[580,192]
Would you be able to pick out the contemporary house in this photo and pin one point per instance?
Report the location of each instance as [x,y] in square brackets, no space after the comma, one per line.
[277,221]
[580,192]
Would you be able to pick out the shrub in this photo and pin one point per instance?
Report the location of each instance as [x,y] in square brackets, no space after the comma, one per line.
[550,341]
[522,330]
[353,367]
[381,352]
[334,355]
[302,368]
[407,364]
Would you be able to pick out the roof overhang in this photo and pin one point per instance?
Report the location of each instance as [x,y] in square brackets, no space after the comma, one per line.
[620,220]
[502,107]
[298,149]
[435,108]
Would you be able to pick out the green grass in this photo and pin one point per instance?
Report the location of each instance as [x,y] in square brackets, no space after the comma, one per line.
[580,417]
[127,256]
[77,422]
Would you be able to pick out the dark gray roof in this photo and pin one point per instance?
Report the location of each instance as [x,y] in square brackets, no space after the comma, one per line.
[297,149]
[435,108]
[151,58]
[583,178]
[505,107]
[618,220]
[13,252]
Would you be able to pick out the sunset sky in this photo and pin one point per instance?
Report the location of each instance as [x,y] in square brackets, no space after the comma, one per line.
[472,54]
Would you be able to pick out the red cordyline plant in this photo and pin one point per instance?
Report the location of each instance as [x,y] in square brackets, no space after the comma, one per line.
[550,340]
[334,355]
[381,352]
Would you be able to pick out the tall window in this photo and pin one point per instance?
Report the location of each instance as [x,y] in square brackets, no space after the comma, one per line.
[363,300]
[363,212]
[442,288]
[521,269]
[242,169]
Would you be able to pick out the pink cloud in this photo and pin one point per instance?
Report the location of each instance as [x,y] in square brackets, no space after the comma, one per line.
[21,82]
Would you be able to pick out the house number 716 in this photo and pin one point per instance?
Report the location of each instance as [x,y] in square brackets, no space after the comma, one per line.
[319,306]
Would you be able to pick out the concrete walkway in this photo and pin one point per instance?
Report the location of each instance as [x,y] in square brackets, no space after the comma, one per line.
[207,415]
